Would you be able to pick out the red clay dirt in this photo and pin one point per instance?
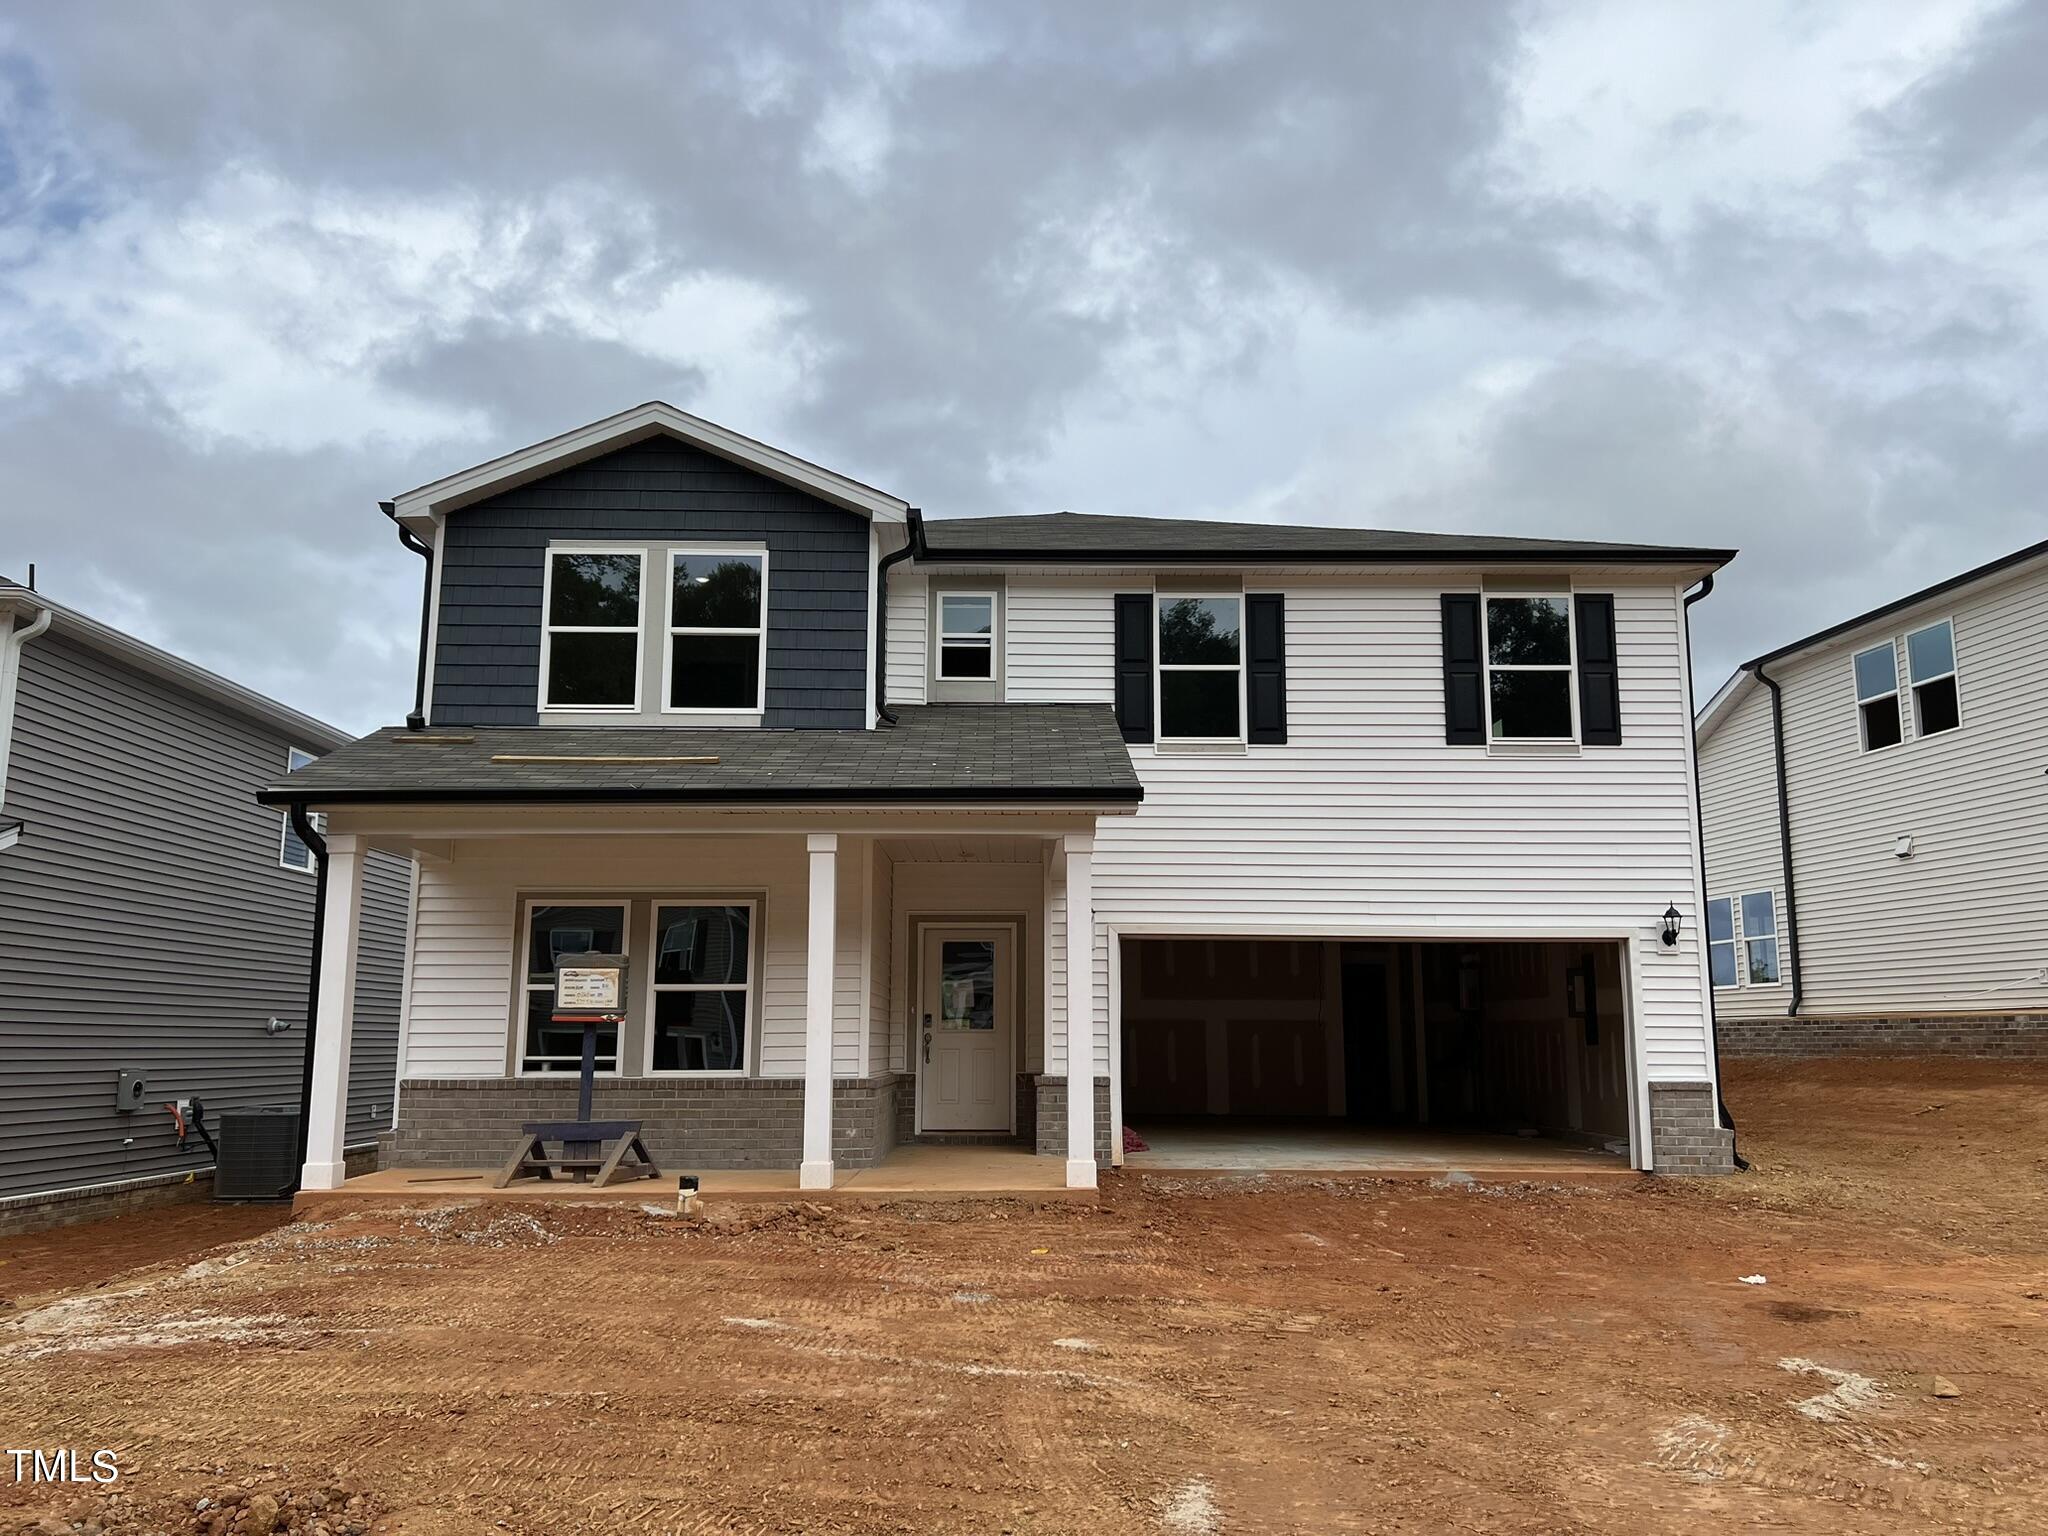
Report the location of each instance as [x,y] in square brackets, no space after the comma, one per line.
[1230,1357]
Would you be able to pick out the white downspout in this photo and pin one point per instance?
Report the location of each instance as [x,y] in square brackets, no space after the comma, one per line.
[11,642]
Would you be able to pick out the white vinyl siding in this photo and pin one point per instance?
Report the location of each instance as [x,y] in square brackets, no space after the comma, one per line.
[467,939]
[1957,927]
[908,630]
[1062,638]
[1365,823]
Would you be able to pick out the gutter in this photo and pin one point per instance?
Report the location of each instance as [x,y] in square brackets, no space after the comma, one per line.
[1784,828]
[12,642]
[417,720]
[1699,834]
[998,555]
[914,547]
[302,824]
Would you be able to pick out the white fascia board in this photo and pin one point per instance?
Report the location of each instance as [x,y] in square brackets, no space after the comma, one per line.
[303,728]
[1722,704]
[418,508]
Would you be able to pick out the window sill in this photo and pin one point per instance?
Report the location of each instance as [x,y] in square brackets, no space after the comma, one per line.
[1533,749]
[687,1073]
[739,719]
[1198,749]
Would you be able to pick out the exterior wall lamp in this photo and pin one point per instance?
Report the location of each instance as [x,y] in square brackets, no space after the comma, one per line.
[1670,934]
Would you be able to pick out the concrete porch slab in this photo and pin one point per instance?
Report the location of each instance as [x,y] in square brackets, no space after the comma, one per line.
[914,1172]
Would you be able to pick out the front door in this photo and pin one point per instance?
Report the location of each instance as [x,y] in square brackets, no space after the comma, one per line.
[966,1027]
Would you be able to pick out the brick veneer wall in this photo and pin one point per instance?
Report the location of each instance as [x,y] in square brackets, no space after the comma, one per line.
[688,1123]
[1050,1097]
[1686,1135]
[2021,1036]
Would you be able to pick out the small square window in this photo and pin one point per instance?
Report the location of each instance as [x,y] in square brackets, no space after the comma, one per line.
[967,636]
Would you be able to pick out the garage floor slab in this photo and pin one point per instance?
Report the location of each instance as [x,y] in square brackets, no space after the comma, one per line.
[1233,1146]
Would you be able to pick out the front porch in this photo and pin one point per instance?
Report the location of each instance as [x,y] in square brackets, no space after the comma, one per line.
[877,1004]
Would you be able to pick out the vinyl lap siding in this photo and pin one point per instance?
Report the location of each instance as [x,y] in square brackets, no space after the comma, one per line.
[1739,808]
[1367,822]
[1059,638]
[465,942]
[908,635]
[151,871]
[1958,926]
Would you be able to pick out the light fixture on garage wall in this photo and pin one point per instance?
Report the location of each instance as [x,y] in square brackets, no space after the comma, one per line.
[1670,927]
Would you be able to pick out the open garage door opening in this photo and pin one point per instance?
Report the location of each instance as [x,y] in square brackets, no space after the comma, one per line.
[1328,1054]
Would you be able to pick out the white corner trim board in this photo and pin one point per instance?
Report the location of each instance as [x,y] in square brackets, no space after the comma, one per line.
[12,641]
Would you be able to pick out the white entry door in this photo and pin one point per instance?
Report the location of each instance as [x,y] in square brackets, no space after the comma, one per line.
[965,1030]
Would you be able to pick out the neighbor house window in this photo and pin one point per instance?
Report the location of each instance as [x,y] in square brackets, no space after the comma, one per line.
[590,654]
[1201,668]
[554,931]
[1877,696]
[717,642]
[293,853]
[703,987]
[1931,667]
[1759,939]
[1529,668]
[967,636]
[1721,942]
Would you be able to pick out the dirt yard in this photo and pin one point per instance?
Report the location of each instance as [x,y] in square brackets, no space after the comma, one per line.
[1365,1356]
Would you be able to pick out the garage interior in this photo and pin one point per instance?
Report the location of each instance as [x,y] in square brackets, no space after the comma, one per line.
[1326,1055]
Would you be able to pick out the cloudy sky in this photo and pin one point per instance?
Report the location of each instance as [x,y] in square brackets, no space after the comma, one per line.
[1765,275]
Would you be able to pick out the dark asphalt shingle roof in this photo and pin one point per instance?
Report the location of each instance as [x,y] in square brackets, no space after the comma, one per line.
[1079,536]
[1042,753]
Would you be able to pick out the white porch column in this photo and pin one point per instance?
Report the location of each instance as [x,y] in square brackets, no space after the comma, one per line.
[1080,852]
[334,1014]
[816,1172]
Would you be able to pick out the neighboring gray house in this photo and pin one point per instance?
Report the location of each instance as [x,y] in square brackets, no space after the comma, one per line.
[153,918]
[1875,806]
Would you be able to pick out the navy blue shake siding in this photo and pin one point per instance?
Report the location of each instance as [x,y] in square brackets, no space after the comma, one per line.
[487,645]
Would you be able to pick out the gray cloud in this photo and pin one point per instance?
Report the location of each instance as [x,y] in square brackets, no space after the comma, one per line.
[1324,261]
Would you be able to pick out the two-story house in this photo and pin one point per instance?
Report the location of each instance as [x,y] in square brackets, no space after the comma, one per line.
[1363,829]
[1875,799]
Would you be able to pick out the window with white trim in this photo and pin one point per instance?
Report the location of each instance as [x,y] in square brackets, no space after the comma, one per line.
[1742,940]
[292,853]
[1759,939]
[1721,966]
[1530,680]
[1931,669]
[1877,696]
[555,930]
[717,631]
[1201,667]
[590,645]
[967,636]
[703,987]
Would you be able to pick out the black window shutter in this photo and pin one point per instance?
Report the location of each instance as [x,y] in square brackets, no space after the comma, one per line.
[1599,675]
[1464,674]
[1265,653]
[1134,665]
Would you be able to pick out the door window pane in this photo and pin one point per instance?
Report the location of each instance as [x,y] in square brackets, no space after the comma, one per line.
[1532,706]
[715,672]
[967,984]
[1198,631]
[716,592]
[1528,631]
[1198,704]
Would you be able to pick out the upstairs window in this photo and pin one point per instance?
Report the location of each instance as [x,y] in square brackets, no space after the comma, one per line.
[590,653]
[1931,666]
[1201,668]
[967,636]
[1877,696]
[717,642]
[292,852]
[1529,668]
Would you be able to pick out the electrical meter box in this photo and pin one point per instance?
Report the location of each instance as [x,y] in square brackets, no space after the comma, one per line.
[130,1090]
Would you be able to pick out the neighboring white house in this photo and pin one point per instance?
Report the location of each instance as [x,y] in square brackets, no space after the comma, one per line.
[1901,760]
[1374,830]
